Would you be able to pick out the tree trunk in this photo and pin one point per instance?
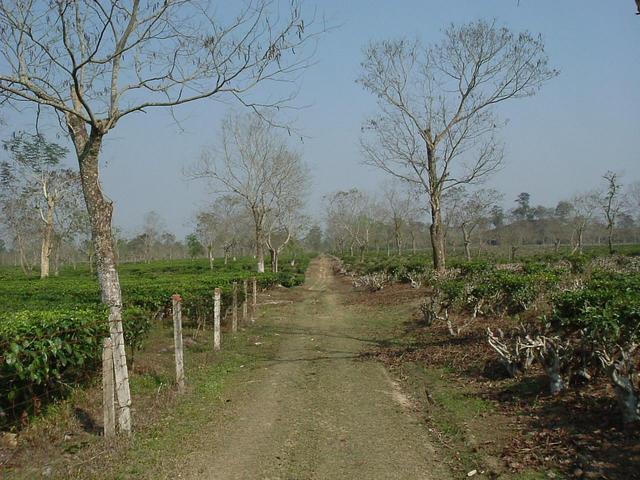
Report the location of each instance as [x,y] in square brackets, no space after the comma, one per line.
[437,237]
[260,259]
[274,260]
[610,238]
[621,376]
[23,257]
[47,238]
[210,256]
[258,220]
[467,243]
[578,247]
[100,215]
[627,397]
[398,239]
[436,229]
[56,257]
[557,383]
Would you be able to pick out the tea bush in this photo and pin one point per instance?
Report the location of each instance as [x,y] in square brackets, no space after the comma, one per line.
[51,330]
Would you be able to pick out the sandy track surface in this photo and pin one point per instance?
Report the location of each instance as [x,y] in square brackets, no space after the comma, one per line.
[317,410]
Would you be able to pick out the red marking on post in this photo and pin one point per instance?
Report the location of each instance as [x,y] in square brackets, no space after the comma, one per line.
[176,297]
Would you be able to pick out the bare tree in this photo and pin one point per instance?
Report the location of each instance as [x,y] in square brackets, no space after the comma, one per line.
[255,164]
[231,219]
[469,210]
[152,230]
[612,203]
[285,218]
[350,211]
[206,225]
[93,63]
[219,225]
[633,194]
[400,205]
[437,107]
[585,206]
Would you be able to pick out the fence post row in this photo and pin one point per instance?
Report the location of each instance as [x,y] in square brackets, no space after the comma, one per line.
[244,302]
[108,389]
[176,301]
[254,299]
[234,309]
[216,319]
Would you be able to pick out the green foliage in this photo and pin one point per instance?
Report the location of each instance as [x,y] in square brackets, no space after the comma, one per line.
[482,288]
[51,331]
[394,265]
[606,309]
[194,247]
[45,353]
[136,324]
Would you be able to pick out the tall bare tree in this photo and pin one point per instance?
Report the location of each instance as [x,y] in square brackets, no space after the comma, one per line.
[152,230]
[94,63]
[585,206]
[612,203]
[469,210]
[254,163]
[633,193]
[400,204]
[351,213]
[286,218]
[437,107]
[218,225]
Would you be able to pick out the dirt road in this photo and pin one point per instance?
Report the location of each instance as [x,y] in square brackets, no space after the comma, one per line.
[316,411]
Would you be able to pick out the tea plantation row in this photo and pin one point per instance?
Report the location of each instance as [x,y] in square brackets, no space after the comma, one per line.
[51,330]
[574,315]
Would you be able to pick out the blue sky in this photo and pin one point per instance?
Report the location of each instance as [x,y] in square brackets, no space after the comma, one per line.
[584,122]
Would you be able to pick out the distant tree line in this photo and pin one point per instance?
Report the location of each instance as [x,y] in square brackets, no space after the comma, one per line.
[480,220]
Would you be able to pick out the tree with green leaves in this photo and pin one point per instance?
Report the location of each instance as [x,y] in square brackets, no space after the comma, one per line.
[194,247]
[34,174]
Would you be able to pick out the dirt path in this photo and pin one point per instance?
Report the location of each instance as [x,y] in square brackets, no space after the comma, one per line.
[316,411]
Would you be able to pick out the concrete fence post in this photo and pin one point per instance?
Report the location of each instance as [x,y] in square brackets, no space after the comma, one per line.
[216,319]
[176,301]
[245,300]
[254,299]
[234,309]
